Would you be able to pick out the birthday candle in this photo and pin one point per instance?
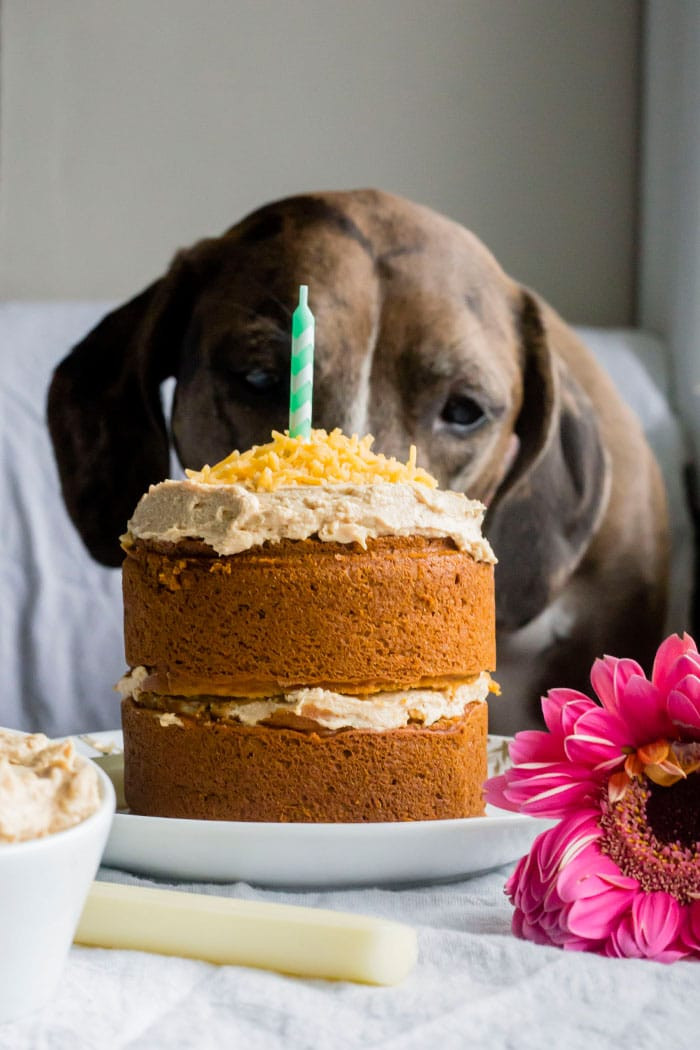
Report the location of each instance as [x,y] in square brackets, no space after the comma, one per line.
[302,368]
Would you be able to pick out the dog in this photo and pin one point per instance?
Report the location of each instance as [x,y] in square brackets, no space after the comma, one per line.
[421,339]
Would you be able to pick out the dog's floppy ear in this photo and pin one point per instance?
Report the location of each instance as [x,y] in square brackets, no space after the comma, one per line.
[104,409]
[553,498]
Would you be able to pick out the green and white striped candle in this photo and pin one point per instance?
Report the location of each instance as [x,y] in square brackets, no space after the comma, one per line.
[302,377]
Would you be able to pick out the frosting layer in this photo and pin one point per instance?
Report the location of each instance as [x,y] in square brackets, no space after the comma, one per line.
[327,709]
[232,518]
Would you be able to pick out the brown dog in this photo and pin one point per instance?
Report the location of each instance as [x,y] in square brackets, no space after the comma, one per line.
[421,338]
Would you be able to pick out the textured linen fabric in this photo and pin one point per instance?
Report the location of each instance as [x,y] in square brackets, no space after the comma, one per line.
[475,986]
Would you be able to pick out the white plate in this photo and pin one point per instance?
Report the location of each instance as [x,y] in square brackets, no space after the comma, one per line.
[307,856]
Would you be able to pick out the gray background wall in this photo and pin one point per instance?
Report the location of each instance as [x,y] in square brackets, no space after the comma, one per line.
[669,275]
[130,129]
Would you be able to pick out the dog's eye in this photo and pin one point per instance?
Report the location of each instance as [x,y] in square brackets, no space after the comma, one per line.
[462,411]
[260,379]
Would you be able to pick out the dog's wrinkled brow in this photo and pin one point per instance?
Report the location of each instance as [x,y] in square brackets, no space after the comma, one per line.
[422,372]
[267,344]
[256,321]
[427,367]
[273,310]
[306,211]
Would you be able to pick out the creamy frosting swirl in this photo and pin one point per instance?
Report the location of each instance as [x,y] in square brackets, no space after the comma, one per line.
[232,518]
[45,786]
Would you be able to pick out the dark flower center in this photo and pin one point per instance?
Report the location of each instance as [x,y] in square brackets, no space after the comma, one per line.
[673,814]
[653,835]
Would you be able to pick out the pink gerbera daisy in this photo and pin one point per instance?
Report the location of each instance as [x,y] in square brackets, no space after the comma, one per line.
[619,873]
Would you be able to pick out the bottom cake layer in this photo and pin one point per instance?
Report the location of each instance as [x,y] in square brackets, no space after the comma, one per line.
[211,770]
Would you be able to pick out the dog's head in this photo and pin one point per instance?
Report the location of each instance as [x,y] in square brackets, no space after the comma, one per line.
[420,339]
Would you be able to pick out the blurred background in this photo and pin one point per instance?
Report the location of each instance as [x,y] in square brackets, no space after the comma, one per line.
[564,133]
[131,129]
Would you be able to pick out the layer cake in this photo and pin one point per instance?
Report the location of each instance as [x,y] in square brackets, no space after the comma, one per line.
[309,629]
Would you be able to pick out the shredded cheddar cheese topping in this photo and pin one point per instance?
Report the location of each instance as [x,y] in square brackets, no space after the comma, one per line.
[322,459]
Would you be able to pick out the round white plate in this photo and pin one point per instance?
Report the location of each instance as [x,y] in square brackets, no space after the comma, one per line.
[308,856]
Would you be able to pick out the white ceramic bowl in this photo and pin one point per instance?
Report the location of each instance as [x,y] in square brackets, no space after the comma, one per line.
[43,886]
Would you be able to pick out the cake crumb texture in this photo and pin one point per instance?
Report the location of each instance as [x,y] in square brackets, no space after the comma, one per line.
[406,611]
[204,769]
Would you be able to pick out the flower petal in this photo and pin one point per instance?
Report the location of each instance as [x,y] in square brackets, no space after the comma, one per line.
[654,751]
[602,677]
[622,943]
[656,918]
[514,880]
[642,708]
[532,932]
[593,751]
[605,724]
[554,790]
[596,917]
[618,785]
[561,708]
[665,672]
[534,745]
[684,704]
[650,929]
[598,739]
[579,944]
[590,874]
[494,792]
[549,849]
[665,774]
[558,846]
[609,678]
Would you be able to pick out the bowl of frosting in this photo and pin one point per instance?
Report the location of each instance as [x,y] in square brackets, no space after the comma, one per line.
[56,809]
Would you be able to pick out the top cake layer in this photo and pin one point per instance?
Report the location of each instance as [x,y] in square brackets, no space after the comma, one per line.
[307,564]
[331,487]
[407,613]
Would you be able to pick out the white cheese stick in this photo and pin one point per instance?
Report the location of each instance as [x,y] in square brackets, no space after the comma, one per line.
[306,942]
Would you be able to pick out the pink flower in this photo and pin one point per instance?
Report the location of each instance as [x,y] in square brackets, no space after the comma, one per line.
[619,873]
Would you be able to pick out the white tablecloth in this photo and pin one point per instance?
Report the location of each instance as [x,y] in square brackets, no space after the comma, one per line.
[475,985]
